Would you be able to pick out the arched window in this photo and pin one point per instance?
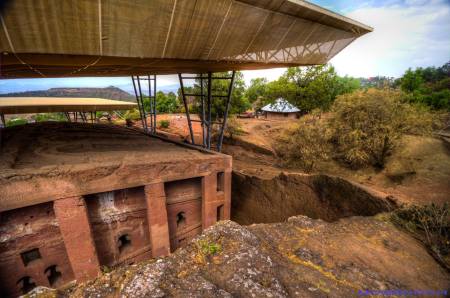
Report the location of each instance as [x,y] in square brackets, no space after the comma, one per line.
[26,284]
[181,219]
[53,275]
[123,242]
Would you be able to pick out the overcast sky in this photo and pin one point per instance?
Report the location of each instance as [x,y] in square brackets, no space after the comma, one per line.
[407,33]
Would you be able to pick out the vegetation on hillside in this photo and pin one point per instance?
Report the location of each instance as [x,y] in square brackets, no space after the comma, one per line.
[428,86]
[362,130]
[431,225]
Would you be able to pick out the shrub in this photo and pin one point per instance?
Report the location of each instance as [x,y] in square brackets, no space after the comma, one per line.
[303,144]
[367,125]
[233,128]
[164,123]
[16,121]
[431,225]
[132,115]
[49,117]
[362,130]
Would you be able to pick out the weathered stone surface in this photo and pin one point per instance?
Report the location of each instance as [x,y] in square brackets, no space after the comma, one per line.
[43,161]
[298,258]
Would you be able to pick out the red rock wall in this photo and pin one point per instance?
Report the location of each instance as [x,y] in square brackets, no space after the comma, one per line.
[119,226]
[72,237]
[184,210]
[25,229]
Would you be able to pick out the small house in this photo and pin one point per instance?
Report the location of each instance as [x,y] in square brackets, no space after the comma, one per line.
[280,109]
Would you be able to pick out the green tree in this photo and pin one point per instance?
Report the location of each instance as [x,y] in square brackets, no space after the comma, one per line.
[347,85]
[311,87]
[239,102]
[411,81]
[165,103]
[256,90]
[428,86]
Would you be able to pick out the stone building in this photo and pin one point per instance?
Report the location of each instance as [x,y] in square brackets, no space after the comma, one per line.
[75,197]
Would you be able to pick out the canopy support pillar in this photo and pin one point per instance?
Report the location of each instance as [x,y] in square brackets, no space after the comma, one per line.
[141,101]
[206,101]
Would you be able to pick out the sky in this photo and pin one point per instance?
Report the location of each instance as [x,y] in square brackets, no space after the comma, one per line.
[407,33]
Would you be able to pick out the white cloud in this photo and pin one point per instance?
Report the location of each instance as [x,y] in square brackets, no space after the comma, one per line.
[416,34]
[271,74]
[413,34]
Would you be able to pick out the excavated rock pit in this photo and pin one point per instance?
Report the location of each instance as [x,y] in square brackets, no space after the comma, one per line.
[267,200]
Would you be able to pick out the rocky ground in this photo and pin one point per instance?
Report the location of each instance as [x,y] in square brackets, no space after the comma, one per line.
[298,258]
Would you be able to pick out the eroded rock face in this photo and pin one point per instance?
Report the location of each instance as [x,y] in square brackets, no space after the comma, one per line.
[298,258]
[266,200]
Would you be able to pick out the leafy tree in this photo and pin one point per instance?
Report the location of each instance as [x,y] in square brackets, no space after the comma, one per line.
[411,81]
[347,85]
[165,103]
[428,86]
[239,102]
[311,87]
[256,90]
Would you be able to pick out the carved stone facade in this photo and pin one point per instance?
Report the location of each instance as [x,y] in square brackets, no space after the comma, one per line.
[61,225]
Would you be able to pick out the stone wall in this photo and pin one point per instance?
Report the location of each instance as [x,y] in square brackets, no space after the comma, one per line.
[51,244]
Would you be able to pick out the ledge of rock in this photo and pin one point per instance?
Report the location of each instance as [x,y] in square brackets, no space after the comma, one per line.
[302,257]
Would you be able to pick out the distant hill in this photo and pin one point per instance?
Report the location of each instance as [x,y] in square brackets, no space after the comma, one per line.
[110,92]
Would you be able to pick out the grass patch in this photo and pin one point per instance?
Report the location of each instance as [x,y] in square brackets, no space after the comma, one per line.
[206,249]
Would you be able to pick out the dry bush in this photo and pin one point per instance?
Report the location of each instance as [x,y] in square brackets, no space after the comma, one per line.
[430,224]
[233,128]
[303,144]
[132,115]
[367,125]
[362,130]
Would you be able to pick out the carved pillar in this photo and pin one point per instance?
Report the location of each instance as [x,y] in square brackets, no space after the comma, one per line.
[75,228]
[157,219]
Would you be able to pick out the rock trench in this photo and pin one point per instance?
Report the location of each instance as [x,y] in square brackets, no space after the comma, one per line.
[275,199]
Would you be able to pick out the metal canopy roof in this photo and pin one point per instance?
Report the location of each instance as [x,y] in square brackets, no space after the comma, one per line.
[71,38]
[280,106]
[28,105]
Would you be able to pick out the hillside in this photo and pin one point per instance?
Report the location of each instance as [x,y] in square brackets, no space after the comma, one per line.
[110,92]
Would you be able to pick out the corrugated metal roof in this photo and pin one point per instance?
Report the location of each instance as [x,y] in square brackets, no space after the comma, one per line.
[280,106]
[70,38]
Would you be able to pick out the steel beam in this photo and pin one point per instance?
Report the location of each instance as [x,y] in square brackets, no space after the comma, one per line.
[208,135]
[225,115]
[186,108]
